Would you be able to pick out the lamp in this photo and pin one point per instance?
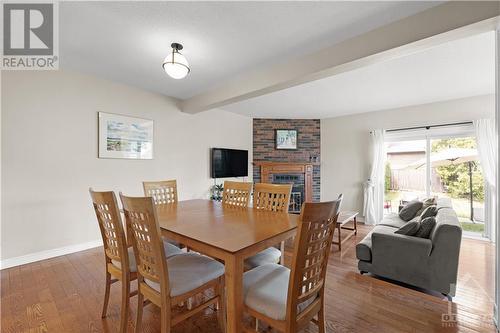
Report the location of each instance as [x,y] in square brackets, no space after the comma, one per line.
[175,64]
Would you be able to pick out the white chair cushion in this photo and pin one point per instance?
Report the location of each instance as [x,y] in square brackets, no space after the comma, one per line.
[265,290]
[189,271]
[271,255]
[170,250]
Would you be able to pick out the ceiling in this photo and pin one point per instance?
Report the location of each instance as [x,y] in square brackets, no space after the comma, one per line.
[457,69]
[127,42]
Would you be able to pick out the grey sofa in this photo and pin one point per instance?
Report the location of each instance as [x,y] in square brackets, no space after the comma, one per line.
[431,264]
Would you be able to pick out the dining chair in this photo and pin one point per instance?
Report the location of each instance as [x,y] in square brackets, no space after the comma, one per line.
[163,192]
[236,193]
[167,282]
[276,198]
[288,299]
[119,255]
[120,264]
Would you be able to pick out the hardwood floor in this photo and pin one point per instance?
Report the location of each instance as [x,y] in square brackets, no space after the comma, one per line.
[65,294]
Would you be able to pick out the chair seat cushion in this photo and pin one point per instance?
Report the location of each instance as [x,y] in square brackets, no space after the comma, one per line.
[170,250]
[271,255]
[188,271]
[265,290]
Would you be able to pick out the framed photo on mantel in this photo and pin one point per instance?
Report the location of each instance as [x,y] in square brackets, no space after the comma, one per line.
[125,137]
[286,139]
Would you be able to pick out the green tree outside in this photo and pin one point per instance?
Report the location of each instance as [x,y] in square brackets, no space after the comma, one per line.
[456,177]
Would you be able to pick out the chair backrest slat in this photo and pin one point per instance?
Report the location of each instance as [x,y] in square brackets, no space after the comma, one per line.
[236,193]
[163,192]
[311,251]
[140,217]
[111,227]
[272,197]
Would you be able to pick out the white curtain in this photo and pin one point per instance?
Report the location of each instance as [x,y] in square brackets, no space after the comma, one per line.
[487,149]
[373,208]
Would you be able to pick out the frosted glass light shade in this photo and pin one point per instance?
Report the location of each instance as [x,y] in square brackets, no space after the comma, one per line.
[176,65]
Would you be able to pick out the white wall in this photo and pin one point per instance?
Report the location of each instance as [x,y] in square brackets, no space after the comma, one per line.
[49,154]
[345,156]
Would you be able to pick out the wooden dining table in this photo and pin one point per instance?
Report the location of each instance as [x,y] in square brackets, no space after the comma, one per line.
[230,234]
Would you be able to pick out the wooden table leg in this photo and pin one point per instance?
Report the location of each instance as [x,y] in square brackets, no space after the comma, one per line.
[234,290]
[355,225]
[339,227]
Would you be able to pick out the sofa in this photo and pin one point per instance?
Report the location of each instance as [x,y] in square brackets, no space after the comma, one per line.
[429,263]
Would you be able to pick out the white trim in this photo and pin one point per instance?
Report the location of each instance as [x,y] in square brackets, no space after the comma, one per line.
[42,255]
[497,119]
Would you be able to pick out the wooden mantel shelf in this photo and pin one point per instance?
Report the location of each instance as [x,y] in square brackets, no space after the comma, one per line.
[260,163]
[268,168]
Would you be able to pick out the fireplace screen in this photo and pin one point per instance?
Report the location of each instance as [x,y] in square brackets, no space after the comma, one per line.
[298,192]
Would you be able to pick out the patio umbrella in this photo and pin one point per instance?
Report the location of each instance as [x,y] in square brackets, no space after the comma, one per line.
[452,156]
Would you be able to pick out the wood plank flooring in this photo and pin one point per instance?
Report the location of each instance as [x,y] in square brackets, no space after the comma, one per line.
[65,294]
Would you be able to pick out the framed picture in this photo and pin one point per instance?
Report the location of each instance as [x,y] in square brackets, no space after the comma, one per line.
[125,137]
[286,139]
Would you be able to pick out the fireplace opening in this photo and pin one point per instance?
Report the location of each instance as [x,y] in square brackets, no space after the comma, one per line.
[297,196]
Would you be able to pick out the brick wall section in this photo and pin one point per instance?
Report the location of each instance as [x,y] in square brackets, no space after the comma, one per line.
[308,144]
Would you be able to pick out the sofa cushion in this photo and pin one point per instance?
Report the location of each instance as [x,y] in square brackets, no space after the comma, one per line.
[392,220]
[429,211]
[409,229]
[426,227]
[410,210]
[432,201]
[364,248]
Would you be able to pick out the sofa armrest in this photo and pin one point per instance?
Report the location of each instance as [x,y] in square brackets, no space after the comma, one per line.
[394,255]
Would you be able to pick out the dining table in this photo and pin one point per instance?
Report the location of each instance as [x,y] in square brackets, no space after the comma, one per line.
[227,233]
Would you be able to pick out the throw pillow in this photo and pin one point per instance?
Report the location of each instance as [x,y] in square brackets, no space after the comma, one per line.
[428,212]
[432,201]
[409,229]
[410,210]
[426,227]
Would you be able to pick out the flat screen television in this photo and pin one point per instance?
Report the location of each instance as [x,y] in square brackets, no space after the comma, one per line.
[229,163]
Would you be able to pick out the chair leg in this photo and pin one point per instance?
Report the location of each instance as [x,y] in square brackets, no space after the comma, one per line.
[321,319]
[282,249]
[125,304]
[106,295]
[140,308]
[165,319]
[221,305]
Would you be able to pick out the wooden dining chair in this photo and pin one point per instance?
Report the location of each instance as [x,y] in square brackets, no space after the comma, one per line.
[275,198]
[169,282]
[236,193]
[163,192]
[289,299]
[272,197]
[119,255]
[120,263]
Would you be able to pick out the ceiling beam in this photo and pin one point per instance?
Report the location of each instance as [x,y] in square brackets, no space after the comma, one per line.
[443,23]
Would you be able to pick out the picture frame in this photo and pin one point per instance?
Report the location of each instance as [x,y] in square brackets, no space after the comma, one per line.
[126,137]
[286,139]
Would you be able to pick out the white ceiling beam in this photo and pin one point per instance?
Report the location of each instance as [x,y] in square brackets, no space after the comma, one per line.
[446,22]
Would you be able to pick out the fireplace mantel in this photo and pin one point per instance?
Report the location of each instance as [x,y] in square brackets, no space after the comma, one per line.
[306,168]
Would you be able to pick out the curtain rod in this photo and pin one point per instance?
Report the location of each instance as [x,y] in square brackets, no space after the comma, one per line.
[429,127]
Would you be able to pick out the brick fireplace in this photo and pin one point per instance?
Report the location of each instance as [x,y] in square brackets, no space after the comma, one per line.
[300,167]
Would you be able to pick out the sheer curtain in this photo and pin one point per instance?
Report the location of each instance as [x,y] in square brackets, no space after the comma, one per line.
[373,208]
[487,149]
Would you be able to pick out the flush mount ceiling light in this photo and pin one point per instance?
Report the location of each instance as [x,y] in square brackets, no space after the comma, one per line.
[175,64]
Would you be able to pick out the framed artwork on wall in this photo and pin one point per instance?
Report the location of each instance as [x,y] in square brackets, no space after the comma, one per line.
[125,137]
[286,139]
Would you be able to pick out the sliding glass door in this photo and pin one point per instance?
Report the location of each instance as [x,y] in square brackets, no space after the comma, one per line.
[439,162]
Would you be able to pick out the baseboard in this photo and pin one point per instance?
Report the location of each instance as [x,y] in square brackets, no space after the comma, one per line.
[37,256]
